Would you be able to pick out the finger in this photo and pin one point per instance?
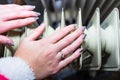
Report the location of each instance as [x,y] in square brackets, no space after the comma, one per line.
[8,5]
[61,33]
[37,32]
[9,25]
[68,60]
[16,7]
[68,50]
[66,41]
[26,7]
[6,41]
[18,14]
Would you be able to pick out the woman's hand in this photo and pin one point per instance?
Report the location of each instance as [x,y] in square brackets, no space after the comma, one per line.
[45,56]
[15,16]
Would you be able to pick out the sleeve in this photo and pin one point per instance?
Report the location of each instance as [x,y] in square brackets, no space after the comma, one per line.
[2,77]
[16,69]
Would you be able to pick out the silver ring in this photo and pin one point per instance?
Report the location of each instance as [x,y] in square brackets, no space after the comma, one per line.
[62,55]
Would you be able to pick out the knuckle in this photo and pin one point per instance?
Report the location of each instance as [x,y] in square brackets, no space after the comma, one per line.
[50,53]
[53,67]
[54,70]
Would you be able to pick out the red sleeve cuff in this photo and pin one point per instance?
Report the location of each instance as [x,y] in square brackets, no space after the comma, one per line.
[2,77]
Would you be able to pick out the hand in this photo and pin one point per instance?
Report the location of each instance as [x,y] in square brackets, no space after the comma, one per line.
[45,55]
[15,16]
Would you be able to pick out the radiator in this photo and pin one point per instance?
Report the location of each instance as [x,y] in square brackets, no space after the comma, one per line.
[101,18]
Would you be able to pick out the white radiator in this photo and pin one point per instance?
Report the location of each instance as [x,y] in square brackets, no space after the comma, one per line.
[101,18]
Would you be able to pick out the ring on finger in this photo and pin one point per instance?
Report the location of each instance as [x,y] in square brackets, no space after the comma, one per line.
[62,55]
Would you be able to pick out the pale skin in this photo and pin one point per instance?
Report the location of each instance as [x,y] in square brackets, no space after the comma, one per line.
[44,55]
[15,16]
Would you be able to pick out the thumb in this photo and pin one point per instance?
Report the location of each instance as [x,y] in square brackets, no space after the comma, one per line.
[6,41]
[37,32]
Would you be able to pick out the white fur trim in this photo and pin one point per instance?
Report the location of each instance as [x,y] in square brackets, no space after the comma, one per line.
[16,69]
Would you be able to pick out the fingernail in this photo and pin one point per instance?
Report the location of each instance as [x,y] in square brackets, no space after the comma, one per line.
[36,18]
[75,25]
[83,28]
[37,13]
[81,50]
[9,43]
[84,36]
[31,7]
